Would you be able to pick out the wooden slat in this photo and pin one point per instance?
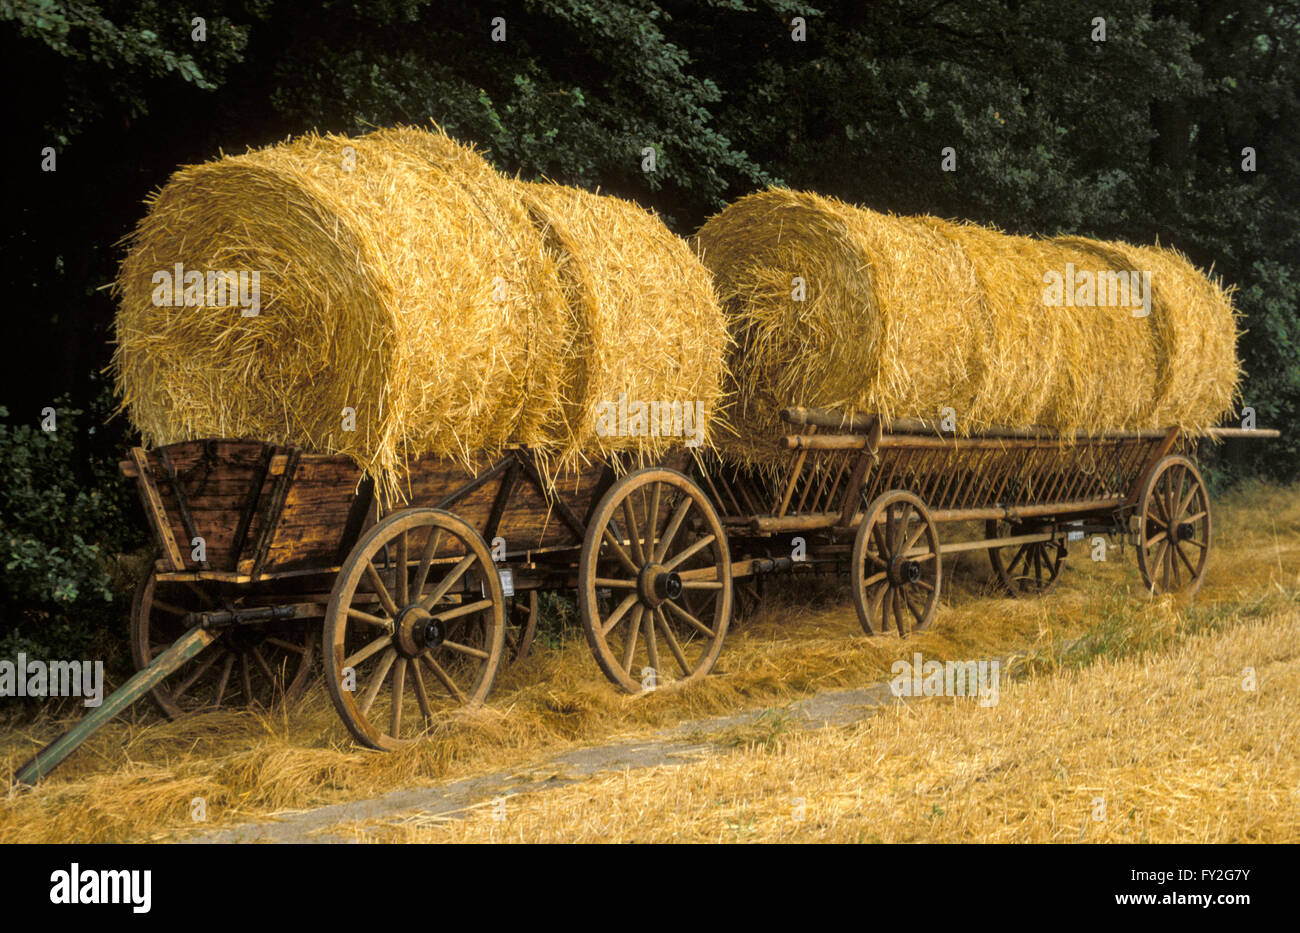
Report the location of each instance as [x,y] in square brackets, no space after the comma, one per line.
[271,523]
[153,507]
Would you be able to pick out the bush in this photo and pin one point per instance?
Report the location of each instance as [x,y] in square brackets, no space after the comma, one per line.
[66,516]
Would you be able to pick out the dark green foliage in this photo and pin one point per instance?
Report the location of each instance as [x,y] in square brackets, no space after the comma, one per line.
[66,517]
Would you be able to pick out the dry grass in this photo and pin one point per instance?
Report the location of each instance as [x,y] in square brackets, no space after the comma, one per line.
[906,316]
[1170,744]
[135,779]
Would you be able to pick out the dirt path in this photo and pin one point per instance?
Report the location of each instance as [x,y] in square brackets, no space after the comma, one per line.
[688,740]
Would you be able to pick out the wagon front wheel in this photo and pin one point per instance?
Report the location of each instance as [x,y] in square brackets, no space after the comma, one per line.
[414,629]
[896,568]
[1174,532]
[248,666]
[654,540]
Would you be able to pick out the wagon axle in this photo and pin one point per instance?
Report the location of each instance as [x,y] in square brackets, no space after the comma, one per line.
[657,584]
[903,570]
[415,630]
[233,617]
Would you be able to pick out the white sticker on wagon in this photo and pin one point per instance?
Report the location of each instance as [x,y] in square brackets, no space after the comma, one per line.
[507,582]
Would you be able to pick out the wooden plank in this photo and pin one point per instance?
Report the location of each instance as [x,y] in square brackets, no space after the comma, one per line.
[362,506]
[153,507]
[270,525]
[1260,433]
[47,759]
[249,510]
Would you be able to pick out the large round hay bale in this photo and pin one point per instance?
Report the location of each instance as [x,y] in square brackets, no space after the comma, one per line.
[1195,329]
[404,303]
[907,317]
[642,326]
[815,291]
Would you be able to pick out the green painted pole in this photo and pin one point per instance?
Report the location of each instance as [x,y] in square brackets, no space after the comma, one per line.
[144,680]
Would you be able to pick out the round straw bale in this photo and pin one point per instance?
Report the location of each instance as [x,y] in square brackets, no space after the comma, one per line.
[399,303]
[643,324]
[1195,330]
[834,306]
[908,316]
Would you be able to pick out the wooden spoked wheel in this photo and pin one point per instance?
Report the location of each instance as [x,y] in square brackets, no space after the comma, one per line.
[654,582]
[415,627]
[248,666]
[1025,570]
[521,625]
[1174,534]
[896,569]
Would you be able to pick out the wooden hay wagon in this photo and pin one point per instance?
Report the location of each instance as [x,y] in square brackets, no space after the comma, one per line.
[854,489]
[266,551]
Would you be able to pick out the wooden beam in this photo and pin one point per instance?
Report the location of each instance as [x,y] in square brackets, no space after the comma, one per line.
[153,507]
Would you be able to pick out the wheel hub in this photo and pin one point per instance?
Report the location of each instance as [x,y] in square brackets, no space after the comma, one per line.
[1186,531]
[415,631]
[903,570]
[656,585]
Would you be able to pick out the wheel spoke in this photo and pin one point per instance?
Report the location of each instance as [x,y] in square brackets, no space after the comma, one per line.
[426,559]
[652,522]
[1183,557]
[403,557]
[369,650]
[689,619]
[447,582]
[633,531]
[673,645]
[385,599]
[246,678]
[261,663]
[421,695]
[619,550]
[617,615]
[613,583]
[377,679]
[690,552]
[916,613]
[878,534]
[629,645]
[399,691]
[287,645]
[169,608]
[651,644]
[385,624]
[466,649]
[462,610]
[443,677]
[670,532]
[223,680]
[194,677]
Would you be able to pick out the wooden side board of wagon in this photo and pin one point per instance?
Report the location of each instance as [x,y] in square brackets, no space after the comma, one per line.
[887,488]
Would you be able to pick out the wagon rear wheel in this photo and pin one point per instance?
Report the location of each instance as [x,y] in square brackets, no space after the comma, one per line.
[1025,570]
[896,570]
[248,666]
[653,540]
[1174,534]
[415,627]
